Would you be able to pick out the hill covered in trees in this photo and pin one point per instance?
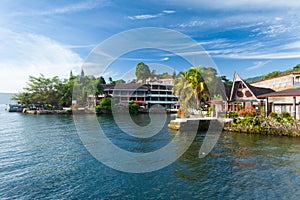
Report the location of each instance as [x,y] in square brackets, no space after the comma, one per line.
[272,74]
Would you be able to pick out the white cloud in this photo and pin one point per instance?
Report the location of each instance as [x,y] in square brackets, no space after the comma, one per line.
[24,54]
[151,16]
[169,11]
[233,4]
[264,55]
[292,45]
[71,8]
[194,23]
[251,49]
[146,16]
[272,30]
[83,46]
[258,64]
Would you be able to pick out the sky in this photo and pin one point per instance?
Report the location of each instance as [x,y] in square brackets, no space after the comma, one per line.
[54,37]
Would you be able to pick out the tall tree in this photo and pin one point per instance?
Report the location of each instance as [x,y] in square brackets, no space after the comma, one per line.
[197,84]
[183,90]
[191,87]
[110,80]
[142,71]
[226,80]
[82,73]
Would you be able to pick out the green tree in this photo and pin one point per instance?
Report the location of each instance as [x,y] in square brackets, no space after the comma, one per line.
[191,86]
[226,80]
[142,71]
[296,68]
[183,90]
[120,81]
[40,90]
[197,83]
[99,87]
[271,75]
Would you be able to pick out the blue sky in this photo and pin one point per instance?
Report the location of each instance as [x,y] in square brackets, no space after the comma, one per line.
[53,37]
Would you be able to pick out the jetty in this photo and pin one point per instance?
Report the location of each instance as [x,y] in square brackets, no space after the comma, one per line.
[190,123]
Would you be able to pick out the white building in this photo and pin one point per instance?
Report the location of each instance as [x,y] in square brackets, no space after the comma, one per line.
[287,81]
[153,92]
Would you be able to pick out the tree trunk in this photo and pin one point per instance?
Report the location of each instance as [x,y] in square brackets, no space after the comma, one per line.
[198,99]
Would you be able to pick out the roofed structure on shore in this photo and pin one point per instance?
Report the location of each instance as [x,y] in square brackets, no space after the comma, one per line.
[244,92]
[157,92]
[285,100]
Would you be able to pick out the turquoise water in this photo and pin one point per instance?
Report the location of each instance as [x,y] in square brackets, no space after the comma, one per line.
[42,157]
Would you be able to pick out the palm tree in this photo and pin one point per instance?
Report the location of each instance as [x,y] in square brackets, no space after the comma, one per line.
[190,87]
[197,84]
[183,90]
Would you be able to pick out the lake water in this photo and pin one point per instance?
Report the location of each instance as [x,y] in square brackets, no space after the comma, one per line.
[42,157]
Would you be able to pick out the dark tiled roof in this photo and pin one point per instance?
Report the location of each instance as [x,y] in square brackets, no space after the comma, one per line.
[289,92]
[259,90]
[227,90]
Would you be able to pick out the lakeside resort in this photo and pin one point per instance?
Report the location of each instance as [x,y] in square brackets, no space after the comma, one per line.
[279,94]
[42,156]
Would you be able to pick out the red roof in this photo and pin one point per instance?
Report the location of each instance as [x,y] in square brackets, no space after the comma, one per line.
[140,102]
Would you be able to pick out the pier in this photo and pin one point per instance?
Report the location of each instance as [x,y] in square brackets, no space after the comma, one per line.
[190,123]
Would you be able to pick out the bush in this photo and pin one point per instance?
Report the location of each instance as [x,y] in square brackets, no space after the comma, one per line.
[106,102]
[247,111]
[98,109]
[285,114]
[133,108]
[273,115]
[105,106]
[233,114]
[249,121]
[210,110]
[284,117]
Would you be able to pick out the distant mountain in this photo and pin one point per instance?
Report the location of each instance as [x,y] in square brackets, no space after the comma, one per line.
[253,79]
[5,98]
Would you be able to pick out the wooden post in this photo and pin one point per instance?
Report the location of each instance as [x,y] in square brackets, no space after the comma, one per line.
[266,106]
[294,107]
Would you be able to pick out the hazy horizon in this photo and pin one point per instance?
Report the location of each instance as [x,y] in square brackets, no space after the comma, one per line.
[5,98]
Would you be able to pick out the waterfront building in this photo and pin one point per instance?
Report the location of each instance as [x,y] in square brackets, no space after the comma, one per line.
[126,92]
[244,94]
[278,101]
[287,81]
[161,94]
[285,100]
[153,92]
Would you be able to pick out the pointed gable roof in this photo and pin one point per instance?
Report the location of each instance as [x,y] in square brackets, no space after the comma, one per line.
[243,91]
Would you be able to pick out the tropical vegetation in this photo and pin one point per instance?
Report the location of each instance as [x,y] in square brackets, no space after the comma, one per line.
[196,86]
[54,92]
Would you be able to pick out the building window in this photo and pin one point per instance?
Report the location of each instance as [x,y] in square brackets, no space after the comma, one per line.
[248,94]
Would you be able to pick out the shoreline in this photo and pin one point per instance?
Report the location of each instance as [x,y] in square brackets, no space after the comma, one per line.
[267,127]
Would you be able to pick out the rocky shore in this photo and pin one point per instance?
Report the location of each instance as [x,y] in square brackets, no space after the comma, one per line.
[265,127]
[47,112]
